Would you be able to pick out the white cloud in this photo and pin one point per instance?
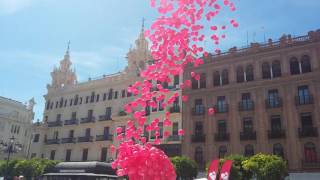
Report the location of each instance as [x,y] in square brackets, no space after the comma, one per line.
[13,6]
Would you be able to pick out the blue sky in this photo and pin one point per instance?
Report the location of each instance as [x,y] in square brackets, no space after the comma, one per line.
[34,36]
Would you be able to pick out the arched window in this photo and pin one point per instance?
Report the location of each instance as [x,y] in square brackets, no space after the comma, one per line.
[266,73]
[248,150]
[194,83]
[294,66]
[216,78]
[203,80]
[276,69]
[224,77]
[240,74]
[222,151]
[305,64]
[198,155]
[110,94]
[278,150]
[310,153]
[249,73]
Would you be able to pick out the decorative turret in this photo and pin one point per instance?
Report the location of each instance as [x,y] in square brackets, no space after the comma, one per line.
[63,76]
[139,55]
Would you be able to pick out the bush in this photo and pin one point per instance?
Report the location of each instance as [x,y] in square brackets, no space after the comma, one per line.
[185,168]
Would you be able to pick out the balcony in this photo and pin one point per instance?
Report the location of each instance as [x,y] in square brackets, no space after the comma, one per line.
[68,140]
[220,137]
[198,138]
[273,103]
[246,105]
[105,118]
[310,164]
[308,132]
[122,113]
[248,135]
[221,108]
[198,110]
[88,120]
[54,123]
[304,100]
[52,141]
[71,122]
[107,137]
[175,109]
[276,134]
[85,139]
[174,138]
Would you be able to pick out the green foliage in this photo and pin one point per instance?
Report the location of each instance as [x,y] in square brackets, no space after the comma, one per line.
[265,167]
[28,168]
[185,167]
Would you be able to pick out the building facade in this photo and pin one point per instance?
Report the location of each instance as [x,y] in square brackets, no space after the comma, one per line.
[80,119]
[266,99]
[16,121]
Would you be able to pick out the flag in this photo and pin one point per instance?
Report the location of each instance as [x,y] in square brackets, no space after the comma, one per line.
[213,170]
[225,170]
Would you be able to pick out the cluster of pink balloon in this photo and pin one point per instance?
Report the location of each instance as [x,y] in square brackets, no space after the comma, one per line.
[175,37]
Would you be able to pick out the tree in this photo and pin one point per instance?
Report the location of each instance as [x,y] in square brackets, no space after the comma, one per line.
[28,168]
[237,171]
[265,167]
[10,170]
[185,168]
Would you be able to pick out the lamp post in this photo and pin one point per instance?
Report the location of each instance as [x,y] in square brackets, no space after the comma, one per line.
[9,147]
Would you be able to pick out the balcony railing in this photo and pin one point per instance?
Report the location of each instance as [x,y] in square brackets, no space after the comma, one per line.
[88,120]
[71,121]
[68,140]
[198,110]
[122,113]
[105,118]
[276,134]
[246,105]
[308,132]
[175,109]
[174,138]
[219,137]
[273,102]
[198,138]
[248,135]
[85,139]
[311,164]
[107,137]
[304,100]
[54,123]
[221,108]
[52,141]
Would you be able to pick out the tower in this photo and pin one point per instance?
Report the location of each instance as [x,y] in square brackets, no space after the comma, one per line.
[64,75]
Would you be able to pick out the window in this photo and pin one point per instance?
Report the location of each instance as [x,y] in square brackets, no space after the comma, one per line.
[36,138]
[52,105]
[108,112]
[106,131]
[68,155]
[266,73]
[240,74]
[87,99]
[306,120]
[65,103]
[216,78]
[97,98]
[92,97]
[175,128]
[90,113]
[52,154]
[222,127]
[88,132]
[55,135]
[154,108]
[294,66]
[203,80]
[222,151]
[71,102]
[246,102]
[176,81]
[305,64]
[276,69]
[278,150]
[116,95]
[48,105]
[85,155]
[199,109]
[249,73]
[198,128]
[221,104]
[310,153]
[129,94]
[103,155]
[198,155]
[304,96]
[58,117]
[104,96]
[248,150]
[80,100]
[123,93]
[275,123]
[160,124]
[110,94]
[161,108]
[76,99]
[61,103]
[71,133]
[273,98]
[73,115]
[224,77]
[247,125]
[194,83]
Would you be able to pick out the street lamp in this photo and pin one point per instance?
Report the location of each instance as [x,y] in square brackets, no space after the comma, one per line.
[10,147]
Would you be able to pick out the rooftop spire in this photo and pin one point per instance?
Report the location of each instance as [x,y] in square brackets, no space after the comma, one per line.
[68,48]
[142,27]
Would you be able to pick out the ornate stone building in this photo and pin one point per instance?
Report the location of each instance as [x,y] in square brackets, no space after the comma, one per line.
[16,121]
[266,99]
[80,119]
